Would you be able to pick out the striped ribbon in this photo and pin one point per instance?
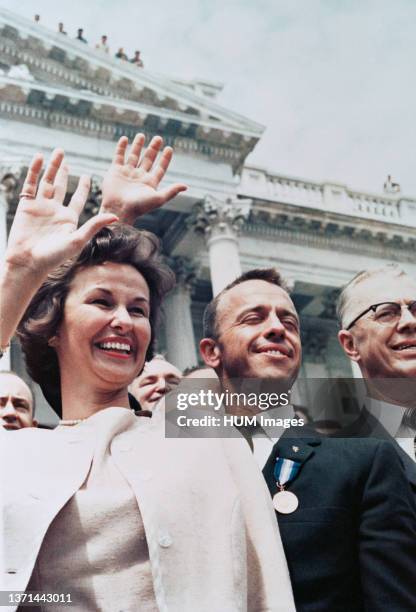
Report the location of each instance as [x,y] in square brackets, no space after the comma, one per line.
[285,470]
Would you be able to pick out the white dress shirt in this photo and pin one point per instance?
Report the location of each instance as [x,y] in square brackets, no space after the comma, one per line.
[390,416]
[265,437]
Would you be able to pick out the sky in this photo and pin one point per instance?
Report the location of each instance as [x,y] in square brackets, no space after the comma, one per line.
[332,81]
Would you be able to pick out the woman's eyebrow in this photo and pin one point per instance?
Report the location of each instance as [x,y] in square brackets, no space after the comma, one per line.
[138,298]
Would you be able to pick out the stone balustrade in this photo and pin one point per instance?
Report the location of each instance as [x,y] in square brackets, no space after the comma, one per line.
[259,184]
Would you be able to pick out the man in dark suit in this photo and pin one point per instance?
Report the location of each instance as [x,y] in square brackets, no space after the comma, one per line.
[377,314]
[351,541]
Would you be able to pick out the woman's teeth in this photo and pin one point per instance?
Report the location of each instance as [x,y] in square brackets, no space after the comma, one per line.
[115,346]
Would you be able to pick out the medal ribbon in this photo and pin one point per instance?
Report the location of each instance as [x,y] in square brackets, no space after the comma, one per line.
[285,471]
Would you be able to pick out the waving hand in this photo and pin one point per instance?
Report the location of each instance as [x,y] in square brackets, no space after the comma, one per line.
[44,231]
[131,188]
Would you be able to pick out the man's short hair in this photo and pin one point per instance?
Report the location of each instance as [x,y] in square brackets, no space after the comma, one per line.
[347,290]
[209,319]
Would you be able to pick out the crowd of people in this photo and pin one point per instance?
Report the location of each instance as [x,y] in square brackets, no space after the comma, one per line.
[102,45]
[263,519]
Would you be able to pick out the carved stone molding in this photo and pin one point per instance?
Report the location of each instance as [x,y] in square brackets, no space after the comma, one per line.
[329,303]
[95,197]
[387,245]
[314,344]
[213,216]
[10,180]
[185,269]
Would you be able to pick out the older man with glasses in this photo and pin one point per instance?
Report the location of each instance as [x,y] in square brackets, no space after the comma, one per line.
[377,312]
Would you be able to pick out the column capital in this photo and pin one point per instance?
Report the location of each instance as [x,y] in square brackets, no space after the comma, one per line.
[185,270]
[10,179]
[212,216]
[314,343]
[329,303]
[95,197]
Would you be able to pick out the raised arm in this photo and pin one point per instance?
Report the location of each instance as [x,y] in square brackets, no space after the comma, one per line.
[44,233]
[131,187]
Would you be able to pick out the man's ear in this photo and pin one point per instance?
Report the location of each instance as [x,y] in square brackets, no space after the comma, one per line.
[210,352]
[346,340]
[34,423]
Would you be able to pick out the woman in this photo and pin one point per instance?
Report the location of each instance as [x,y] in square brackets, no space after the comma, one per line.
[104,509]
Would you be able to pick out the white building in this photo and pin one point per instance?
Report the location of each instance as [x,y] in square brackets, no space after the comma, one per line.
[55,91]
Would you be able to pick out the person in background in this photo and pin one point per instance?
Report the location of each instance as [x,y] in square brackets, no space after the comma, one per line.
[36,18]
[80,36]
[158,378]
[102,45]
[17,405]
[61,28]
[120,54]
[137,60]
[377,315]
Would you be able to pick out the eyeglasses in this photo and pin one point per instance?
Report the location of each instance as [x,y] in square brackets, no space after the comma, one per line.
[386,313]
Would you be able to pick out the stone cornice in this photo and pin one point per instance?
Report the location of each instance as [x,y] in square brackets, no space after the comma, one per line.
[90,62]
[111,130]
[346,238]
[98,107]
[274,192]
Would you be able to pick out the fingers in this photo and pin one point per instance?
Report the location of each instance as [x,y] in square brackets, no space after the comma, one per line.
[120,152]
[84,233]
[32,176]
[136,149]
[151,153]
[80,196]
[164,195]
[46,185]
[61,183]
[163,164]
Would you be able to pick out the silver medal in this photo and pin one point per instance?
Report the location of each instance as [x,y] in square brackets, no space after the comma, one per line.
[285,502]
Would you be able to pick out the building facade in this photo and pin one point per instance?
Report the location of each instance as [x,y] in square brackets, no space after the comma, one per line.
[55,91]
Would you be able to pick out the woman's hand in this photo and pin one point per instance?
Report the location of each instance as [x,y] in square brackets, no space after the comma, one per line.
[44,232]
[130,188]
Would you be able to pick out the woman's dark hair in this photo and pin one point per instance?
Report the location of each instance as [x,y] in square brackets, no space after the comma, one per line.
[118,244]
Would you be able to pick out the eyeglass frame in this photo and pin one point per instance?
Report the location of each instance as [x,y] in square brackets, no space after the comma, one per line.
[374,307]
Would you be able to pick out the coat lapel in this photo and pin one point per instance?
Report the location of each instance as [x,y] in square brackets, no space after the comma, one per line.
[367,426]
[289,447]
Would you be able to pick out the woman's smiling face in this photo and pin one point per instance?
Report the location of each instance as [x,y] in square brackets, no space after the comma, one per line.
[105,331]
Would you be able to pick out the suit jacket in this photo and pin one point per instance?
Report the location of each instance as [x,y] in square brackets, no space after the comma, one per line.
[351,544]
[343,392]
[368,426]
[212,537]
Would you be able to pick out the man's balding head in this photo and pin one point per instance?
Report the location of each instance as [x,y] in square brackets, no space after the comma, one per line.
[353,297]
[16,402]
[377,311]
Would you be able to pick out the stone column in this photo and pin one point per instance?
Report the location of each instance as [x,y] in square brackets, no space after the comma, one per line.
[180,338]
[8,185]
[221,222]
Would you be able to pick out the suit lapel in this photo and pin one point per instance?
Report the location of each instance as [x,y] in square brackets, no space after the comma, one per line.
[292,447]
[367,426]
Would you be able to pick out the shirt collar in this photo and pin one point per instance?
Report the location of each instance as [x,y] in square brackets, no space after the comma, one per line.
[389,415]
[281,412]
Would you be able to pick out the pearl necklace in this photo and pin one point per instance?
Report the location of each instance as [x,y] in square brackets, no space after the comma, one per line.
[71,422]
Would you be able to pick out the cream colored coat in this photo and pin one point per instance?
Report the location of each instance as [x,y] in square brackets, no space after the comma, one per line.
[213,540]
